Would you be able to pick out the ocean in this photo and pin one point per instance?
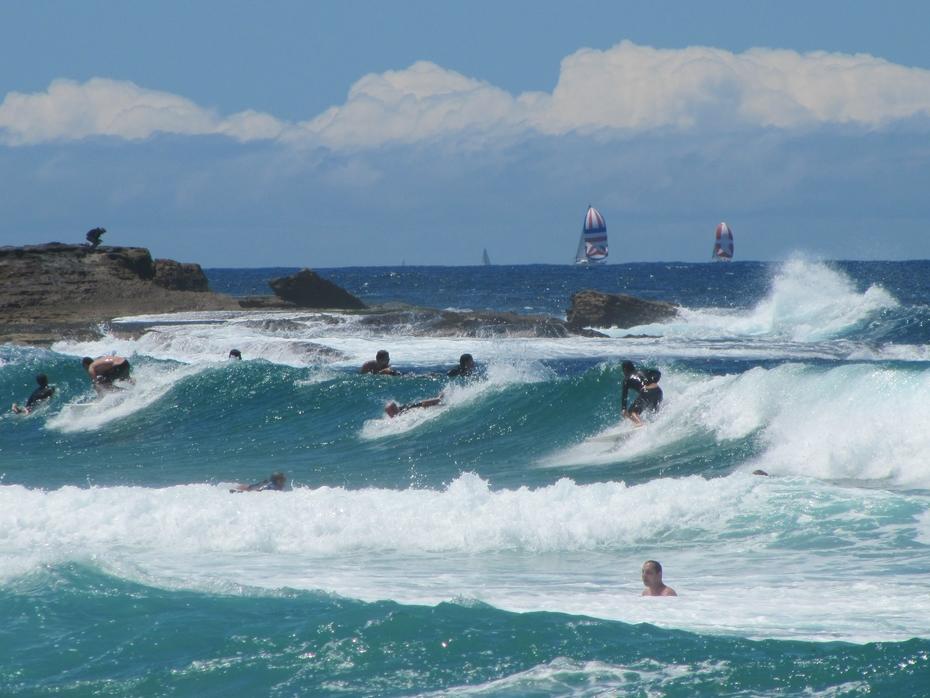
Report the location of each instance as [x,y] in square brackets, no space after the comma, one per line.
[490,546]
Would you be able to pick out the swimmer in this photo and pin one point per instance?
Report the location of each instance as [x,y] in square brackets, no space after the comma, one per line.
[652,580]
[393,409]
[466,367]
[381,365]
[275,483]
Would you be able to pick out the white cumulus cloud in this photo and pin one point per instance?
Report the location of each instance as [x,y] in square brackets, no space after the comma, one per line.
[626,89]
[69,110]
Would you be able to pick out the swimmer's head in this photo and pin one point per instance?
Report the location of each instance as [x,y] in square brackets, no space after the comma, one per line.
[652,572]
[627,367]
[86,361]
[382,357]
[278,480]
[42,380]
[466,361]
[235,354]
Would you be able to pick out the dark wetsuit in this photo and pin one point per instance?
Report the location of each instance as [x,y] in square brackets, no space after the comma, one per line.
[38,395]
[462,371]
[647,398]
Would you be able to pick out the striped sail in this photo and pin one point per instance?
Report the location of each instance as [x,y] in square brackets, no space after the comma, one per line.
[723,243]
[592,247]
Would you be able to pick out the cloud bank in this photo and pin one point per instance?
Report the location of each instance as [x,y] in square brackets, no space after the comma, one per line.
[627,90]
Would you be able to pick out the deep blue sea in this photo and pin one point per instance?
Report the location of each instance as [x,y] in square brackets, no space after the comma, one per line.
[492,545]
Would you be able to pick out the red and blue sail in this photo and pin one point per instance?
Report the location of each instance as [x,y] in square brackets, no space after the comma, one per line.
[592,248]
[723,243]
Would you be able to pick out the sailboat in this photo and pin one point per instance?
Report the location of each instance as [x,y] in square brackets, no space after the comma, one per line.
[723,244]
[592,246]
[485,260]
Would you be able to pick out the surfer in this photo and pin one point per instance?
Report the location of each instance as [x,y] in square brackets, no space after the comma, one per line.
[652,580]
[235,354]
[105,370]
[646,383]
[275,483]
[466,367]
[39,395]
[381,365]
[393,409]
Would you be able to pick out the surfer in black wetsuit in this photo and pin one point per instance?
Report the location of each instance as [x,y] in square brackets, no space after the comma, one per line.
[40,394]
[646,384]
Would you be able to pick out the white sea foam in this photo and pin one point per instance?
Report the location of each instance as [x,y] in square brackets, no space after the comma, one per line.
[809,302]
[749,555]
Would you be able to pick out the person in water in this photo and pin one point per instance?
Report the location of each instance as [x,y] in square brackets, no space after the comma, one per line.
[275,483]
[39,395]
[381,365]
[393,409]
[105,370]
[646,384]
[466,367]
[235,354]
[652,580]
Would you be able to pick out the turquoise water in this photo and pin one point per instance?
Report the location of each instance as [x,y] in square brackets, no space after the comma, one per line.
[492,545]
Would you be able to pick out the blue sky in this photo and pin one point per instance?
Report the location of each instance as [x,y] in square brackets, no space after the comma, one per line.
[364,133]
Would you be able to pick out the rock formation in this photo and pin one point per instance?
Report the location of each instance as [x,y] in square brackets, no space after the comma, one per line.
[48,291]
[307,289]
[595,309]
[180,277]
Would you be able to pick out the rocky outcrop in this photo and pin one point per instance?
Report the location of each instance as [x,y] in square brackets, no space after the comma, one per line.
[429,322]
[53,290]
[180,277]
[595,309]
[307,289]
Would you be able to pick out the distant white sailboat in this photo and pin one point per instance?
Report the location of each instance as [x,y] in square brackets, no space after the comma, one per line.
[485,260]
[723,244]
[592,247]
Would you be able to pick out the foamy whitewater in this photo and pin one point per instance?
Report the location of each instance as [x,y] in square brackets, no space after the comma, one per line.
[491,545]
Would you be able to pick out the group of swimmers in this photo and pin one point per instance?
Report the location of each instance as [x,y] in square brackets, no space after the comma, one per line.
[381,366]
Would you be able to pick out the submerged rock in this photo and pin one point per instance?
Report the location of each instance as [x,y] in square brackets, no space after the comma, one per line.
[595,309]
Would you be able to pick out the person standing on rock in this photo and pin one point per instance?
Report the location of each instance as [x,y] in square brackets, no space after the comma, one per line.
[105,370]
[94,235]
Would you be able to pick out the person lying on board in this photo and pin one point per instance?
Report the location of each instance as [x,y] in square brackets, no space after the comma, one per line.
[644,382]
[380,366]
[652,580]
[275,483]
[105,370]
[38,396]
[393,409]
